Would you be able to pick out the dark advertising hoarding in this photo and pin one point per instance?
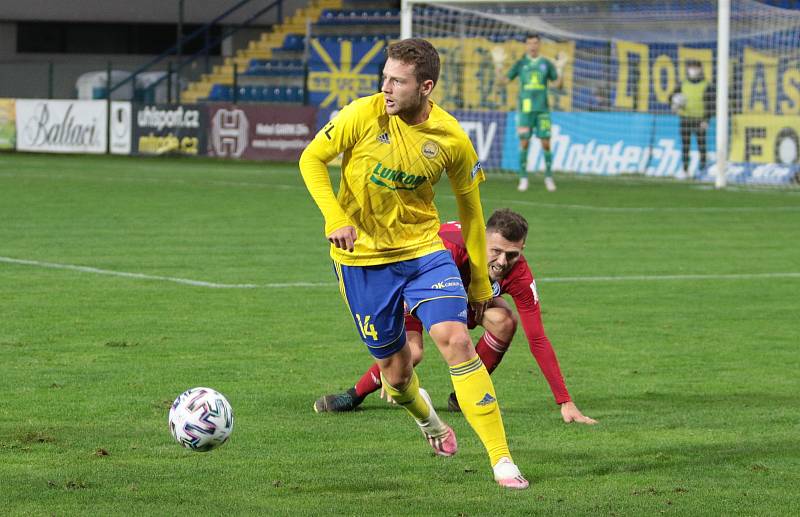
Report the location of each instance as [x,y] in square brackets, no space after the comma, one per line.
[169,129]
[265,132]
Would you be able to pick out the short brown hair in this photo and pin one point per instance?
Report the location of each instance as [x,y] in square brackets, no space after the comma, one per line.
[417,52]
[511,225]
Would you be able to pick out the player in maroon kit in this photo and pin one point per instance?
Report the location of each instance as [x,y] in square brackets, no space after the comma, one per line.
[506,232]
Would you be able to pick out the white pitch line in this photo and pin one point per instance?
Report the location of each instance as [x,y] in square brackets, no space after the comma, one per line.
[156,181]
[282,285]
[644,209]
[741,276]
[98,271]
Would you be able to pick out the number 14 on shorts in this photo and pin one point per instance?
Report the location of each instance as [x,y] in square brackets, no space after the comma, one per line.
[366,328]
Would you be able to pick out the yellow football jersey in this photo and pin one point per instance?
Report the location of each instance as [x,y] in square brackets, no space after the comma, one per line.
[388,172]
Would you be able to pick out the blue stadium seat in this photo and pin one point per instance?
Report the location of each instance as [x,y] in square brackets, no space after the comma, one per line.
[359,17]
[326,16]
[220,92]
[275,67]
[294,42]
[265,93]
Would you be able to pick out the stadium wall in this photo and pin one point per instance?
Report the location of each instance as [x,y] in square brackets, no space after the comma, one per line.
[140,11]
[26,74]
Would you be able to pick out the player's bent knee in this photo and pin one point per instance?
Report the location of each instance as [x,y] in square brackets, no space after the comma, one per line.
[509,323]
[456,341]
[416,356]
[397,369]
[501,322]
[453,341]
[414,341]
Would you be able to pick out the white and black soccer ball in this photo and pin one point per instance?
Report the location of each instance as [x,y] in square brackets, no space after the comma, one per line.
[201,419]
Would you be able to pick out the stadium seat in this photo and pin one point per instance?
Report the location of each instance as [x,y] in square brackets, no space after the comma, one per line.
[294,42]
[359,17]
[220,92]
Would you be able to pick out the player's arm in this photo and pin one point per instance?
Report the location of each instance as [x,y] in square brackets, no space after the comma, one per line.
[557,70]
[513,72]
[332,139]
[526,300]
[473,229]
[465,174]
[542,350]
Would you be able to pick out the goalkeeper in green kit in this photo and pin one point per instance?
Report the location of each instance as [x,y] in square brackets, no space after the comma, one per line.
[533,111]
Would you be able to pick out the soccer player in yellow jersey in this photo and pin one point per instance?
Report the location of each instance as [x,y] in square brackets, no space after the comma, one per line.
[383,229]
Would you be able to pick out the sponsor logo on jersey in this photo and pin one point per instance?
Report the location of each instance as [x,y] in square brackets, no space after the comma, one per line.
[430,150]
[384,138]
[394,179]
[496,288]
[477,167]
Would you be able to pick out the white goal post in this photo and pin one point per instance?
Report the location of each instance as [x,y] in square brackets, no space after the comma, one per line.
[723,60]
[625,64]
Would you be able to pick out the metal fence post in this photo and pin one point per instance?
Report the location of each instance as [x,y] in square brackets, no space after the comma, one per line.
[108,108]
[306,60]
[235,82]
[169,82]
[179,52]
[208,50]
[50,79]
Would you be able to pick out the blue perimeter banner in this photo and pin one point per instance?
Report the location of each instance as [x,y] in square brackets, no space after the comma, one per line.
[591,143]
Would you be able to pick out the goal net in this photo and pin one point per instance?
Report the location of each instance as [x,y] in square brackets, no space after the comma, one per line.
[639,77]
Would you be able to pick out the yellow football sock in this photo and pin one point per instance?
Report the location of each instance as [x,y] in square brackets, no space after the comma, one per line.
[409,397]
[476,396]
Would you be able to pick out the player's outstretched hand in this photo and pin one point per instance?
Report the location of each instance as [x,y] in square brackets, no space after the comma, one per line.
[571,413]
[343,238]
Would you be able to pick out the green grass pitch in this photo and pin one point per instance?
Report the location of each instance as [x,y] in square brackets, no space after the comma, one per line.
[673,309]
